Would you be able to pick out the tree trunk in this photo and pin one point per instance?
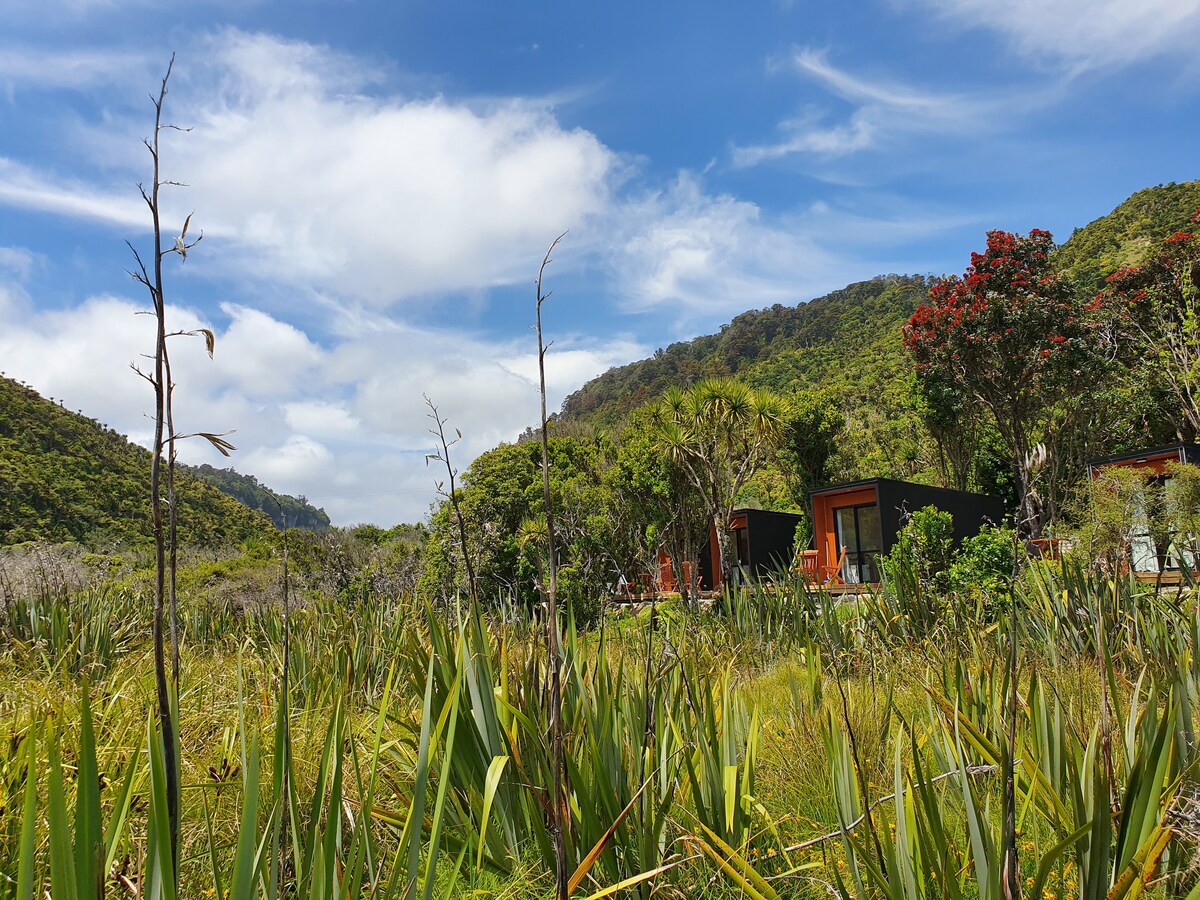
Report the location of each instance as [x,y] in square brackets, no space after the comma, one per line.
[726,549]
[558,786]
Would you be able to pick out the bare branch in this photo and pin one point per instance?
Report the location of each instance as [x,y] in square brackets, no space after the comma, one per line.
[141,374]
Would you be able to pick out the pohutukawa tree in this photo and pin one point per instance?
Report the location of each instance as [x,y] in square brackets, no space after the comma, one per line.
[1156,310]
[720,433]
[1014,337]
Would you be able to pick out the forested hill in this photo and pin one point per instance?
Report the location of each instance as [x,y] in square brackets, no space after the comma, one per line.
[781,347]
[285,511]
[1127,235]
[854,333]
[65,477]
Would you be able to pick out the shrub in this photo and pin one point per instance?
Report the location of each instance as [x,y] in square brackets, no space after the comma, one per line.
[982,569]
[926,545]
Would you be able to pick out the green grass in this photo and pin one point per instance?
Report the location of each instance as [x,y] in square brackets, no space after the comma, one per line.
[709,754]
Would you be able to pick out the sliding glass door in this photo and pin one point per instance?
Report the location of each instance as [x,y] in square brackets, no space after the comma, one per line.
[859,531]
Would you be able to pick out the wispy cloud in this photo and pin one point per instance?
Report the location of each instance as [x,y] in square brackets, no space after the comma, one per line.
[19,262]
[1081,35]
[883,109]
[23,186]
[48,69]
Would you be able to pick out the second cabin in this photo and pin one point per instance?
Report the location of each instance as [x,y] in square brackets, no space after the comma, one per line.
[1155,552]
[764,542]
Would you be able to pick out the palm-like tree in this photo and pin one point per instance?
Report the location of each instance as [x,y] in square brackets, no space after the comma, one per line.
[720,432]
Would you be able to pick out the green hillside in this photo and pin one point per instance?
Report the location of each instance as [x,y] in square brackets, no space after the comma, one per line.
[285,511]
[65,477]
[1129,233]
[830,329]
[847,346]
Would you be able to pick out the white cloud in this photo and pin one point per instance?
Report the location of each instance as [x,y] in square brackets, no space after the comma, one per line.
[1083,34]
[572,367]
[321,418]
[263,357]
[715,254]
[347,426]
[303,177]
[288,466]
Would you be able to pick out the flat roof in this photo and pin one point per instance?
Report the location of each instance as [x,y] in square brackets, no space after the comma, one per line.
[1179,451]
[875,482]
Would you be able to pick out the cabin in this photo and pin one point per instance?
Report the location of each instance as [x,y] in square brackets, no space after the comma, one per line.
[1150,557]
[765,542]
[854,524]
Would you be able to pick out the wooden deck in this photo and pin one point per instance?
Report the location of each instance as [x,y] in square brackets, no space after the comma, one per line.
[641,598]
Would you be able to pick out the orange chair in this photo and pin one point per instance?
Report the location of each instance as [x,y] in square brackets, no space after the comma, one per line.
[808,565]
[835,574]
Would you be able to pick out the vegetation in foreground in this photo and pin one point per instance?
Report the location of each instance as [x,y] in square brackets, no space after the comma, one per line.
[782,744]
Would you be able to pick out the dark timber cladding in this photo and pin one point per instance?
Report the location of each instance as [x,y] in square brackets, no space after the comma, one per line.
[765,542]
[866,517]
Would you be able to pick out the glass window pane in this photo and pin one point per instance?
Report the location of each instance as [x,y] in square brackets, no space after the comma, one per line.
[870,530]
[847,534]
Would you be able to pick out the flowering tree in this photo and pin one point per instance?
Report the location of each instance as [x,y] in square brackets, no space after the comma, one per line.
[1156,308]
[1012,336]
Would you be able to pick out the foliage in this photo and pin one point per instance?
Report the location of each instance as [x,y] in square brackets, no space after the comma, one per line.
[65,477]
[709,755]
[926,544]
[1155,307]
[499,492]
[719,432]
[810,438]
[1011,335]
[285,511]
[1129,235]
[1118,501]
[654,503]
[982,570]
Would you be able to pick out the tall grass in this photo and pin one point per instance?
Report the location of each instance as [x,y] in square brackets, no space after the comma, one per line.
[419,755]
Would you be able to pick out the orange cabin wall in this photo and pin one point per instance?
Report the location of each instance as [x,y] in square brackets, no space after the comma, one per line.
[825,528]
[1155,465]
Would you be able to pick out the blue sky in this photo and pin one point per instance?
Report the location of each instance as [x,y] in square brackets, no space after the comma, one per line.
[377,182]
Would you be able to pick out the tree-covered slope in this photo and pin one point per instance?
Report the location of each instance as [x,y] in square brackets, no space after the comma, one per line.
[65,477]
[1128,234]
[779,347]
[285,510]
